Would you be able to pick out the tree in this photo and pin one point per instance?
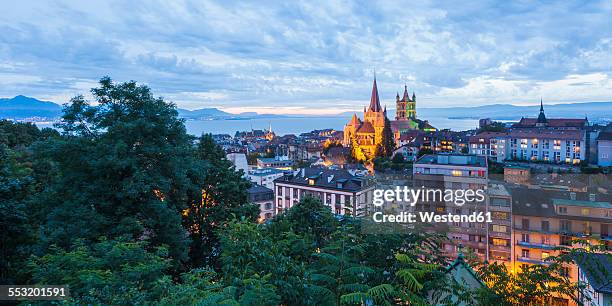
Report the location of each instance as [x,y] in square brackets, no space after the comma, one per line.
[223,197]
[387,146]
[106,272]
[535,284]
[16,183]
[493,127]
[122,171]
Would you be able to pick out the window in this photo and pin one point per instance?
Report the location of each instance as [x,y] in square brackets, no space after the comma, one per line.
[500,215]
[525,223]
[566,225]
[525,238]
[545,226]
[311,181]
[585,211]
[500,202]
[545,255]
[456,172]
[499,228]
[566,240]
[565,272]
[525,253]
[562,210]
[500,242]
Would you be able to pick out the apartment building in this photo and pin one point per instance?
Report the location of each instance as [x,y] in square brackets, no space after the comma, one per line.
[544,220]
[484,144]
[558,146]
[455,172]
[264,197]
[501,247]
[341,191]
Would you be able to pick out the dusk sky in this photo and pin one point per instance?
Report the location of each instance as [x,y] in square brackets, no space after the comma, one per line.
[311,56]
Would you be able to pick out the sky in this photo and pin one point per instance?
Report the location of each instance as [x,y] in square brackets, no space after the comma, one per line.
[315,57]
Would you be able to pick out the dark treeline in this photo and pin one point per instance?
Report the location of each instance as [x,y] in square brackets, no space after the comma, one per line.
[125,207]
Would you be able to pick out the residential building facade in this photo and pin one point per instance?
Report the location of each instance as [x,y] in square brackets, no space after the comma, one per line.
[341,191]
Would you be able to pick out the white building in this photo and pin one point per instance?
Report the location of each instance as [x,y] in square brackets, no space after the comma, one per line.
[340,190]
[558,146]
[240,162]
[604,149]
[264,176]
[485,144]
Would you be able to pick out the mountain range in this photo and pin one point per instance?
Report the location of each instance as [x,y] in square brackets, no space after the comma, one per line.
[22,107]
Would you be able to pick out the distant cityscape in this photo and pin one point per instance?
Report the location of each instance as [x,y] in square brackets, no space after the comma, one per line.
[547,178]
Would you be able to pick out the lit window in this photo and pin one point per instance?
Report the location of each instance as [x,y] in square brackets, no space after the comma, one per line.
[585,211]
[545,255]
[311,182]
[456,173]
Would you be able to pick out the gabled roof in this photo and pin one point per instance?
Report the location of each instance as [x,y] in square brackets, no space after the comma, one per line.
[366,127]
[325,178]
[557,122]
[374,100]
[598,270]
[605,136]
[355,121]
[460,262]
[486,136]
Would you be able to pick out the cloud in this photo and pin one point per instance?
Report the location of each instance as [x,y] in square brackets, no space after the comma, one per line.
[284,57]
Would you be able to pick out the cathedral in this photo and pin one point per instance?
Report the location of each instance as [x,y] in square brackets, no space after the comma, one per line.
[368,134]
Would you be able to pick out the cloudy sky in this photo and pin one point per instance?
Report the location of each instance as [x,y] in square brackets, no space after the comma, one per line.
[311,56]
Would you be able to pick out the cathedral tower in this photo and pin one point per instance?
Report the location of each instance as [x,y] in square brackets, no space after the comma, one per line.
[406,107]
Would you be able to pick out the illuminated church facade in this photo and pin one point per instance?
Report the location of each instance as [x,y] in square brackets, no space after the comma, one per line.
[367,135]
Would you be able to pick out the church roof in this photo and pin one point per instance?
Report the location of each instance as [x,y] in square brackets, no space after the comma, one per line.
[355,121]
[555,122]
[541,116]
[374,100]
[366,127]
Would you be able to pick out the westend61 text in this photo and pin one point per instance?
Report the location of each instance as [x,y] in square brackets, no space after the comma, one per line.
[431,217]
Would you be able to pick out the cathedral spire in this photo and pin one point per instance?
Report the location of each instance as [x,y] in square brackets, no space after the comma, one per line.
[541,116]
[374,100]
[406,98]
[354,120]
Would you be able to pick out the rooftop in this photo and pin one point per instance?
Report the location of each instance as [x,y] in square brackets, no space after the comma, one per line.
[598,270]
[264,171]
[592,204]
[257,189]
[326,178]
[453,159]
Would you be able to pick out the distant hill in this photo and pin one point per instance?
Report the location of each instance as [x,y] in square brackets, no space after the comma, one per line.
[592,110]
[204,113]
[595,111]
[21,107]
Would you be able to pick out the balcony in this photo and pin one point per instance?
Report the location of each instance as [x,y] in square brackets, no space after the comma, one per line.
[536,245]
[535,230]
[532,260]
[501,248]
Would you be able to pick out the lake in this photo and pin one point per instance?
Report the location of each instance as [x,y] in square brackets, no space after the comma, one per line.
[297,125]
